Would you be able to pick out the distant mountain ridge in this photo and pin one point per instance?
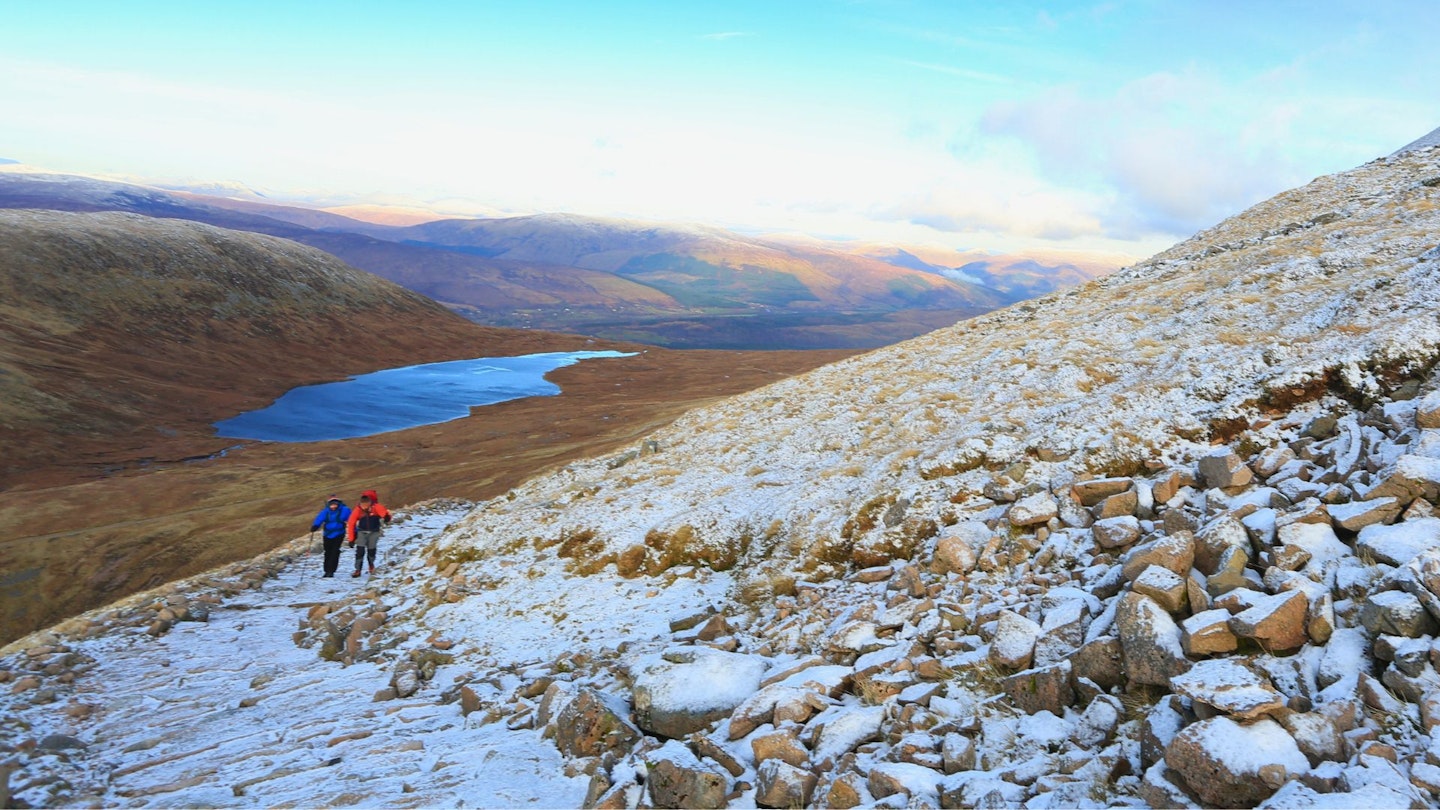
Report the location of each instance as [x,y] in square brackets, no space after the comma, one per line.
[685,286]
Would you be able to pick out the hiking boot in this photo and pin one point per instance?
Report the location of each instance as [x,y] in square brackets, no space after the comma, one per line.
[356,573]
[329,573]
[372,569]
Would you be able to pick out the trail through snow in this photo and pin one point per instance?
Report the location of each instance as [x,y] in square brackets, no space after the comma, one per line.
[169,728]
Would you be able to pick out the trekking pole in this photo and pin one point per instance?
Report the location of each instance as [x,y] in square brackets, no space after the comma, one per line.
[309,551]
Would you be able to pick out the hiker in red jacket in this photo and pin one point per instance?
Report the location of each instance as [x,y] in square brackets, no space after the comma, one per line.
[364,528]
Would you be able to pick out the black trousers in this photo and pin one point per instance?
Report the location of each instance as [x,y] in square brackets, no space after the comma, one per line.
[332,553]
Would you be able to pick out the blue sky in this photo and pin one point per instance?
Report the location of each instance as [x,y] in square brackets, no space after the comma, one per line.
[1119,126]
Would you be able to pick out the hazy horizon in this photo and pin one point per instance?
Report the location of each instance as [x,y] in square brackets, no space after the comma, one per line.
[1117,127]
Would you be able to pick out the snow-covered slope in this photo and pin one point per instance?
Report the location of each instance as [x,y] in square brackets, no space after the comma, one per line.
[1165,539]
[1323,285]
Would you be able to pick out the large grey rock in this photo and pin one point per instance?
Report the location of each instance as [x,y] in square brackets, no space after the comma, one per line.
[1427,411]
[1163,585]
[1208,633]
[1396,613]
[1101,661]
[759,708]
[1061,633]
[1316,735]
[687,690]
[1150,640]
[1228,764]
[953,554]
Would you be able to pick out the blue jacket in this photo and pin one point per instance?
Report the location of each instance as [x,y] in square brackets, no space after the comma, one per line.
[333,520]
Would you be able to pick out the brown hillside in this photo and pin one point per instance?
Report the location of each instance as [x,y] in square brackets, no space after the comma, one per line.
[123,338]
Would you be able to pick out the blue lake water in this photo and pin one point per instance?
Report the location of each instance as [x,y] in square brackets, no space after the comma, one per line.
[399,398]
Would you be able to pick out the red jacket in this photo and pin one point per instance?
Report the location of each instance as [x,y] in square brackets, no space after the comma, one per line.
[366,518]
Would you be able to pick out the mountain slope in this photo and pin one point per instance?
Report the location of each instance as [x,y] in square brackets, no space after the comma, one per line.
[189,317]
[1165,540]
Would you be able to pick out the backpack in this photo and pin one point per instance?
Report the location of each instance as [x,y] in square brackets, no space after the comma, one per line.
[334,520]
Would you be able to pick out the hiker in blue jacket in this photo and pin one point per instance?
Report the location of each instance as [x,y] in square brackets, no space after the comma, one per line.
[334,518]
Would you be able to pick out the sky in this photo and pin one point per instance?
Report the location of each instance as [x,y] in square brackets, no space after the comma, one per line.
[1101,126]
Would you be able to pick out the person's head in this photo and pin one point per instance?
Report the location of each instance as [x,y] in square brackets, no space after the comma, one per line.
[334,502]
[365,500]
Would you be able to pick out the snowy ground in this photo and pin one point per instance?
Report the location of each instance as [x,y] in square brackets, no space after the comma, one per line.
[231,713]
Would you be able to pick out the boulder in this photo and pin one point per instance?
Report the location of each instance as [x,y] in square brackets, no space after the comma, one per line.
[1159,727]
[1033,510]
[783,745]
[1014,643]
[1316,735]
[1230,687]
[840,729]
[957,753]
[1224,469]
[1410,477]
[1175,552]
[1163,585]
[1098,723]
[1356,515]
[1427,411]
[1061,634]
[1208,633]
[779,784]
[677,779]
[1150,640]
[1399,543]
[1101,661]
[1270,461]
[1096,490]
[685,691]
[589,727]
[916,782]
[1042,689]
[759,708]
[1215,537]
[953,554]
[1228,764]
[1275,622]
[1396,613]
[1126,503]
[1116,532]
